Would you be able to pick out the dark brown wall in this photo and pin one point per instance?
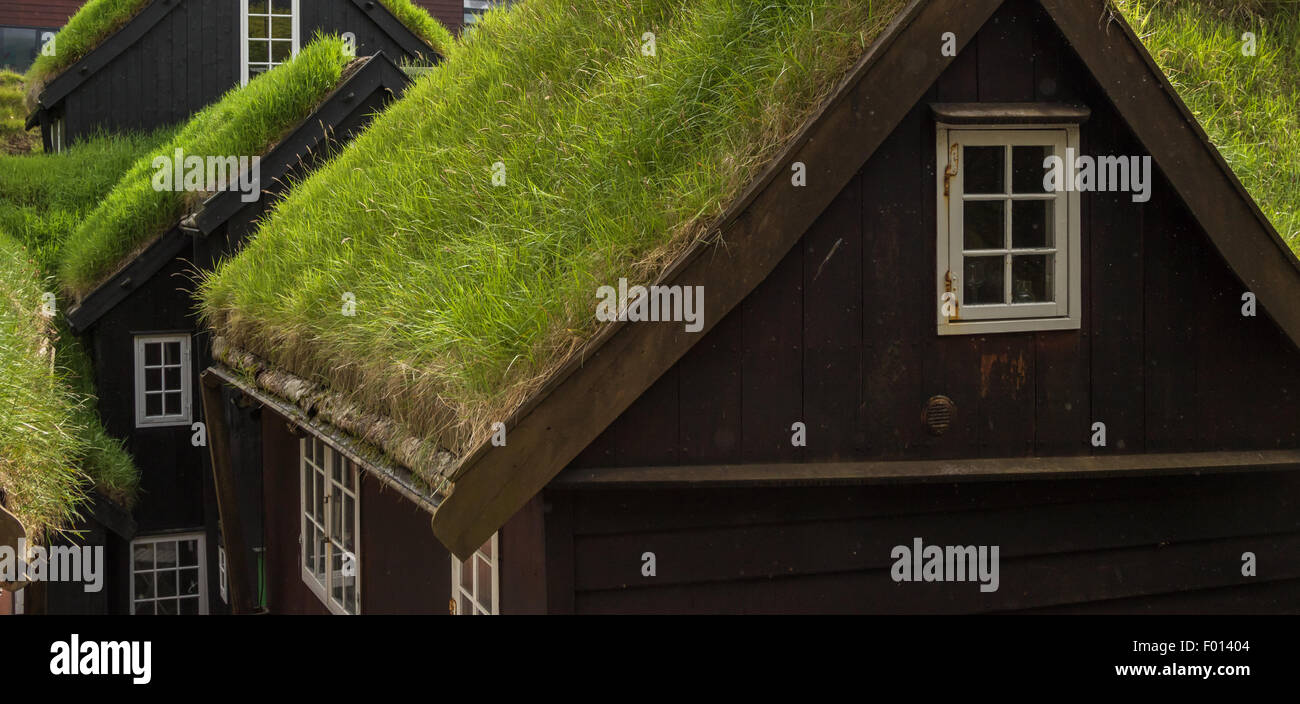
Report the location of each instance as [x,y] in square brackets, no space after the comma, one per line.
[1120,545]
[841,336]
[281,517]
[449,12]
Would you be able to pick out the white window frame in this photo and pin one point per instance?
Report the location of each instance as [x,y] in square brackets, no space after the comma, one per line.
[460,595]
[1063,313]
[201,540]
[185,415]
[324,590]
[244,39]
[56,135]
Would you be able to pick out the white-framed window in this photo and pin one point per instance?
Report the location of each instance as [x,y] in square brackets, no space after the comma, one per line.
[57,135]
[169,575]
[268,35]
[475,582]
[475,9]
[162,380]
[331,522]
[1008,250]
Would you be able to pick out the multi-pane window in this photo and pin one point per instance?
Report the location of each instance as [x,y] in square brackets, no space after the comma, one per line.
[1008,246]
[167,575]
[475,9]
[268,35]
[330,524]
[474,581]
[162,380]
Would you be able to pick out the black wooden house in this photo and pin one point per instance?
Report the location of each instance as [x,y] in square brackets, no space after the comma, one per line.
[141,319]
[177,56]
[1125,446]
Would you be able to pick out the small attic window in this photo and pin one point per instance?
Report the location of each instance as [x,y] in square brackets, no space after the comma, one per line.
[268,31]
[1008,248]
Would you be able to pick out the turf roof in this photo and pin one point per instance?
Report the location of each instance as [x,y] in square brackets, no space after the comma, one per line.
[246,122]
[614,159]
[1248,104]
[97,20]
[53,449]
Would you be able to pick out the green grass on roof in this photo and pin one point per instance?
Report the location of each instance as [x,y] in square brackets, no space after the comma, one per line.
[93,23]
[468,294]
[52,446]
[419,21]
[45,197]
[1249,105]
[247,122]
[14,136]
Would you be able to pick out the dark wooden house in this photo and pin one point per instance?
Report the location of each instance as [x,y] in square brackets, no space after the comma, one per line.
[147,352]
[177,56]
[26,24]
[1085,383]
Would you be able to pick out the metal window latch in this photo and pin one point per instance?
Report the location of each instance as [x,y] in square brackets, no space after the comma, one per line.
[950,170]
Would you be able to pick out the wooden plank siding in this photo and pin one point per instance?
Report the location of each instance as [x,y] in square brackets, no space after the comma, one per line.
[813,549]
[1162,339]
[50,14]
[1163,357]
[189,60]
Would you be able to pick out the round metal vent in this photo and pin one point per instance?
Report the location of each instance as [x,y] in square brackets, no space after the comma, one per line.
[937,414]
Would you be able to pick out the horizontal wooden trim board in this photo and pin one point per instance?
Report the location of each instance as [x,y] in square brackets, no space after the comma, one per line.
[1010,113]
[885,472]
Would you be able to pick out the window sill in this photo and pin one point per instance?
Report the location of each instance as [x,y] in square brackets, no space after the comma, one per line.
[984,327]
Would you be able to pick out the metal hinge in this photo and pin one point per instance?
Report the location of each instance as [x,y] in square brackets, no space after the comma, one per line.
[953,165]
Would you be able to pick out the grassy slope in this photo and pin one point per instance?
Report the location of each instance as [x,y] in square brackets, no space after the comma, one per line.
[52,447]
[468,294]
[246,122]
[92,24]
[1249,105]
[14,138]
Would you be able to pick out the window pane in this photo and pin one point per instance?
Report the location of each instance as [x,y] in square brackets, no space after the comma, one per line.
[1027,170]
[166,554]
[309,547]
[984,224]
[189,553]
[144,586]
[143,557]
[467,576]
[336,571]
[153,405]
[259,6]
[984,280]
[336,466]
[349,518]
[167,583]
[484,594]
[145,609]
[320,452]
[189,606]
[259,51]
[282,27]
[153,379]
[189,583]
[152,353]
[167,607]
[173,403]
[1031,278]
[281,51]
[257,27]
[173,352]
[173,378]
[1031,223]
[282,7]
[487,549]
[984,169]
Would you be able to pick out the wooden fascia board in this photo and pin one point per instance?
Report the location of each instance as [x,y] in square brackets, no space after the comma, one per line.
[106,52]
[129,278]
[1188,159]
[919,471]
[308,136]
[756,233]
[393,27]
